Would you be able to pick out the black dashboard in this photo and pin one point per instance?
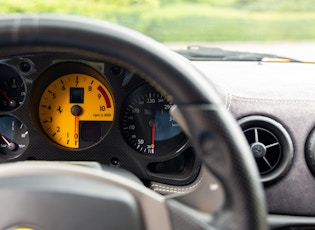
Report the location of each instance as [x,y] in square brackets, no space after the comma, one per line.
[134,129]
[61,107]
[125,138]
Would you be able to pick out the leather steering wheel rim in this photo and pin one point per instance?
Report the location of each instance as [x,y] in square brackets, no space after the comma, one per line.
[215,135]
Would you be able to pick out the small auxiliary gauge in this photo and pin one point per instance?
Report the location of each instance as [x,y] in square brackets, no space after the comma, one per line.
[14,137]
[12,88]
[147,125]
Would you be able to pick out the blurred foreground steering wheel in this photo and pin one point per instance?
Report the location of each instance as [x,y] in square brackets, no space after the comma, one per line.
[57,196]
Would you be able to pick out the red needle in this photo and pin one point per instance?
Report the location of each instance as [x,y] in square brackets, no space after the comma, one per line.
[5,139]
[152,137]
[10,145]
[5,95]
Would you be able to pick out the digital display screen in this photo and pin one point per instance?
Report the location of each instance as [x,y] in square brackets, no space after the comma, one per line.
[91,131]
[77,95]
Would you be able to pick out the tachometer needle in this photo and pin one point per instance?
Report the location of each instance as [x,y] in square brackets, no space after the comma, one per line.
[153,137]
[10,145]
[76,111]
[75,129]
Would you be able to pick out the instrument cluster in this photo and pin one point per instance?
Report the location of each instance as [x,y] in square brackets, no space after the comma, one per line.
[59,107]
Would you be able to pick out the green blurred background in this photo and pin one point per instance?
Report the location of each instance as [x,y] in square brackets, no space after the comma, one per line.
[191,20]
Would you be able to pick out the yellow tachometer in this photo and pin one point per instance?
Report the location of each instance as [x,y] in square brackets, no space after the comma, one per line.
[76,110]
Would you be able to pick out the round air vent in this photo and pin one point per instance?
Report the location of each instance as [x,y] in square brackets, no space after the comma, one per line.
[270,144]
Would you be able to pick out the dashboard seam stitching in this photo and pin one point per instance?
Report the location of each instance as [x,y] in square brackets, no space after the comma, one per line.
[163,188]
[229,97]
[247,99]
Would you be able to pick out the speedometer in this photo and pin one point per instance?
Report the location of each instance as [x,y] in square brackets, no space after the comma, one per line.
[147,125]
[76,109]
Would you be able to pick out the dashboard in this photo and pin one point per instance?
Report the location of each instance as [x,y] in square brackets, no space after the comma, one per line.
[60,107]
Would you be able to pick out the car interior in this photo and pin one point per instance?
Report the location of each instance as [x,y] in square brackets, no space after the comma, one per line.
[102,127]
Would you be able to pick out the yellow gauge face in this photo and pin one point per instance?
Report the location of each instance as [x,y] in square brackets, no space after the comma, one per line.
[76,110]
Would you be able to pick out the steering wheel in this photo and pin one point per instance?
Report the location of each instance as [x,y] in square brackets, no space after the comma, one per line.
[57,196]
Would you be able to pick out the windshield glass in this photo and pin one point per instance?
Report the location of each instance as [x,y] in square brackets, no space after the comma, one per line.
[282,27]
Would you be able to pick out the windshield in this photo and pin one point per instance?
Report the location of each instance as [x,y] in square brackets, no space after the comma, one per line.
[281,27]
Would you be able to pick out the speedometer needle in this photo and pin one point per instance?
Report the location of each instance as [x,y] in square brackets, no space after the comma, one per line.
[153,137]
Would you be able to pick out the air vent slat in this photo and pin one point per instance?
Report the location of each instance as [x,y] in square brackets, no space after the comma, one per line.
[256,135]
[267,162]
[272,145]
